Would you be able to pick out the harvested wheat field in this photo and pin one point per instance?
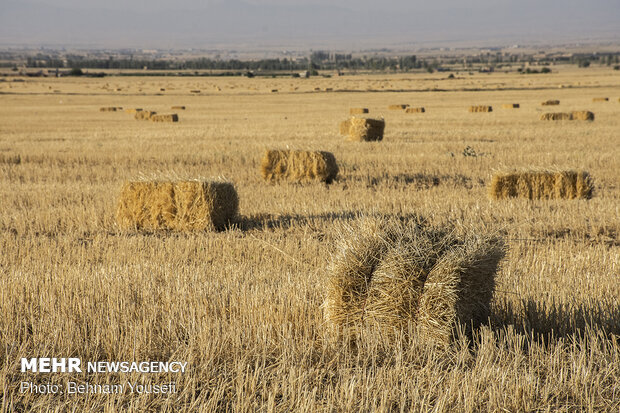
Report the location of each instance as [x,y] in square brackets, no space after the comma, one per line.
[401,286]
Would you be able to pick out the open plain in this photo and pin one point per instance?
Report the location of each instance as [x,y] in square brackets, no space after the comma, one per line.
[243,306]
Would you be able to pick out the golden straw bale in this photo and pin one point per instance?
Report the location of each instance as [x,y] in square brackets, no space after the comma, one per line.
[510,106]
[358,111]
[389,275]
[600,100]
[582,115]
[550,103]
[177,107]
[361,129]
[144,115]
[344,127]
[398,107]
[172,117]
[176,205]
[194,91]
[133,110]
[108,109]
[556,116]
[481,108]
[542,184]
[299,166]
[415,110]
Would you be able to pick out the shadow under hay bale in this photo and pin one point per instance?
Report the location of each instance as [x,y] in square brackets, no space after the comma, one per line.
[390,275]
[542,185]
[582,115]
[556,116]
[144,115]
[550,103]
[398,107]
[173,117]
[362,129]
[358,111]
[480,108]
[299,166]
[415,110]
[179,206]
[511,106]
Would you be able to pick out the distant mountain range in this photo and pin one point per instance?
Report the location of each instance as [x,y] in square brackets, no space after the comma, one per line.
[242,25]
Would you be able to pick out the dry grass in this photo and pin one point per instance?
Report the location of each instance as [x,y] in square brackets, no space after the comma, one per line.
[299,166]
[540,184]
[243,306]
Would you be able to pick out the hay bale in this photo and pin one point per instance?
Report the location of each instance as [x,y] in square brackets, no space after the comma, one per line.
[194,91]
[299,166]
[582,115]
[389,275]
[398,107]
[600,100]
[358,111]
[363,130]
[274,90]
[177,107]
[481,108]
[344,127]
[176,205]
[556,116]
[543,184]
[510,106]
[144,115]
[108,109]
[550,103]
[415,110]
[133,110]
[171,117]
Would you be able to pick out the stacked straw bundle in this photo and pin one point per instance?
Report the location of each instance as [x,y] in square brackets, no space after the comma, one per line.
[550,103]
[481,108]
[395,277]
[144,115]
[193,205]
[556,116]
[415,110]
[542,184]
[358,111]
[362,129]
[299,166]
[173,117]
[398,107]
[511,106]
[600,100]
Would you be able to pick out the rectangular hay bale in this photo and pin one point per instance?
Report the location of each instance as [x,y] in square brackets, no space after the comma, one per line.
[108,109]
[398,107]
[172,117]
[556,116]
[582,115]
[600,100]
[298,166]
[176,205]
[542,185]
[510,106]
[133,110]
[415,110]
[551,102]
[144,115]
[358,111]
[364,130]
[177,107]
[480,108]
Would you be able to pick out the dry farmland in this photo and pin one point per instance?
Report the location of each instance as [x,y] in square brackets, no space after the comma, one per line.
[243,306]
